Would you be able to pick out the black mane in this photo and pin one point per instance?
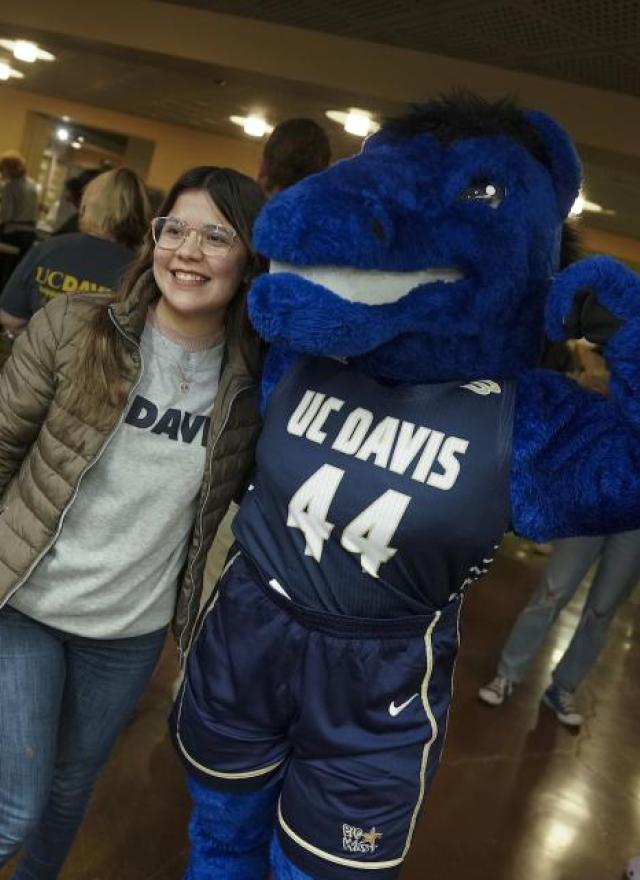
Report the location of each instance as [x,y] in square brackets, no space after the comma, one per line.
[463,114]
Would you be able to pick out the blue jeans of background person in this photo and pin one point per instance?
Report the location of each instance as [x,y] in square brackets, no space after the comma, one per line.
[616,575]
[63,701]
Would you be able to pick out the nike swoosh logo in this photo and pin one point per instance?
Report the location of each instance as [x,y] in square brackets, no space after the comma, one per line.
[396,710]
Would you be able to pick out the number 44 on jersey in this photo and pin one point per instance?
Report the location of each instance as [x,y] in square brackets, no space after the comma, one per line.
[369,534]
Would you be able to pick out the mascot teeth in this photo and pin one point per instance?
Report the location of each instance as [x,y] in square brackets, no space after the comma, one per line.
[368,285]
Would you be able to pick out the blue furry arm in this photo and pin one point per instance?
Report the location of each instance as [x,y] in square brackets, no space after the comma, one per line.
[576,455]
[278,362]
[575,464]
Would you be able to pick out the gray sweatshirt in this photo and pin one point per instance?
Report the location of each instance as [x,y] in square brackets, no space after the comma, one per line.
[113,570]
[18,205]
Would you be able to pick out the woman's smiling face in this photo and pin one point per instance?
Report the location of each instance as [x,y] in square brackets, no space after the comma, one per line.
[193,284]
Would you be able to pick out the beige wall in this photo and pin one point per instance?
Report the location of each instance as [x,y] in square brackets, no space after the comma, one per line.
[176,148]
[620,246]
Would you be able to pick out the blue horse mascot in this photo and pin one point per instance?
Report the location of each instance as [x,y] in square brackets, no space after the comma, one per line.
[406,428]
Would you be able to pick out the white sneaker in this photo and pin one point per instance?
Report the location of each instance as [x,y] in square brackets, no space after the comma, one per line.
[632,871]
[495,693]
[563,704]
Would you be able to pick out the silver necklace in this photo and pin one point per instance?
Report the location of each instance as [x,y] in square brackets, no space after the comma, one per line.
[185,381]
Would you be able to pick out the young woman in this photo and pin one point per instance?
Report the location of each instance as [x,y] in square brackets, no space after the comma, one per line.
[114,217]
[126,427]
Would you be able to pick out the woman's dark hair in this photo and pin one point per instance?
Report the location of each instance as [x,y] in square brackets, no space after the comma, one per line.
[239,198]
[295,149]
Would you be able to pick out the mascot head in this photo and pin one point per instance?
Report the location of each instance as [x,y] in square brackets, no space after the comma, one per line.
[427,257]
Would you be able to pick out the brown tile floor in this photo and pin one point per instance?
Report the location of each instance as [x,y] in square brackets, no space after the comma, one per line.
[517,796]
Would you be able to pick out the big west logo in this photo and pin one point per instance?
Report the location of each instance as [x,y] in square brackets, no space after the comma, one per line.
[174,423]
[51,282]
[357,840]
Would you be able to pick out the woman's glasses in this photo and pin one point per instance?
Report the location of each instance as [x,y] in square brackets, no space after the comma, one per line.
[169,233]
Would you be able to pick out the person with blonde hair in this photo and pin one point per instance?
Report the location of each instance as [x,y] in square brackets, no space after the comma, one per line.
[127,425]
[114,214]
[114,205]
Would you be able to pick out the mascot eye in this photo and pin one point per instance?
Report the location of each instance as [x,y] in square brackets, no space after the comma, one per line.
[484,191]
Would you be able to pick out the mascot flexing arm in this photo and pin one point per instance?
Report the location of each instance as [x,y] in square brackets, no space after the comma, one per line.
[406,428]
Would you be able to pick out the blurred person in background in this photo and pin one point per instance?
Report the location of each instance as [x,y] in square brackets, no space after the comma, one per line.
[132,420]
[18,208]
[71,200]
[617,559]
[18,202]
[295,149]
[113,218]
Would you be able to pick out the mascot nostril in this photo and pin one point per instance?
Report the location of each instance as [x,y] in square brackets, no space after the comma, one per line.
[406,428]
[378,230]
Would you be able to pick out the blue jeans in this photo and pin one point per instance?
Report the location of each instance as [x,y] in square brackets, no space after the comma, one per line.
[63,701]
[616,575]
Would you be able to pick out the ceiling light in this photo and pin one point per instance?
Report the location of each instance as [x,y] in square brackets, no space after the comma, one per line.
[76,145]
[356,122]
[63,134]
[592,207]
[578,206]
[583,204]
[25,50]
[254,126]
[6,72]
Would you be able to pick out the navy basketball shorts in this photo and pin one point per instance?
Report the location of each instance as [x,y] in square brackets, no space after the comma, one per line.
[347,717]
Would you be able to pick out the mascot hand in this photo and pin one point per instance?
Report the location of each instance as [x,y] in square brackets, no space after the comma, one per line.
[592,298]
[600,298]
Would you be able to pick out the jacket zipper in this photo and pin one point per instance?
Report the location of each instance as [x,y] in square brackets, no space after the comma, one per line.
[184,650]
[88,467]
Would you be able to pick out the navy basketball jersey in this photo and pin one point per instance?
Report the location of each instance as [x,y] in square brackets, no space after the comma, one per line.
[377,501]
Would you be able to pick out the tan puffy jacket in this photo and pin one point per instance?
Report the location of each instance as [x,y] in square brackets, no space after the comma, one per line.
[48,444]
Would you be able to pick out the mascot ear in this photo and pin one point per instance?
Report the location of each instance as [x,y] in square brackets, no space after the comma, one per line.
[566,169]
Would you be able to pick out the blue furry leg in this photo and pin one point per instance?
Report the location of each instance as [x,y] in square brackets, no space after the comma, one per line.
[283,869]
[230,833]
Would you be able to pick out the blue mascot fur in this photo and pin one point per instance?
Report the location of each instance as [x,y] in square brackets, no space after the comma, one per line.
[431,260]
